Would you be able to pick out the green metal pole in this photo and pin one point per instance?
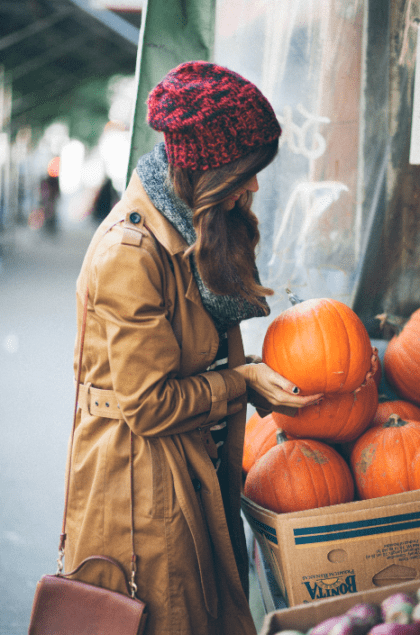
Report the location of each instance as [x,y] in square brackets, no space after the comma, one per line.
[172,32]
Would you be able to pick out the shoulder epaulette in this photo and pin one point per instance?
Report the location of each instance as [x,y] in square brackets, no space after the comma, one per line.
[133,229]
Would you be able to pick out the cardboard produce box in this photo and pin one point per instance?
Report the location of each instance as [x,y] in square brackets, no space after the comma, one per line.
[341,549]
[305,616]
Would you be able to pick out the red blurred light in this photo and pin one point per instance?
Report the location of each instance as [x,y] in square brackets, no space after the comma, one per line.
[54,167]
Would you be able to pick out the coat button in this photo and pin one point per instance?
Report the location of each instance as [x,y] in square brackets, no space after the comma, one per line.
[196,484]
[135,218]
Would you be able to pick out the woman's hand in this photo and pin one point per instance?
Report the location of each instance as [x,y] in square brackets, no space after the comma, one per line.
[278,390]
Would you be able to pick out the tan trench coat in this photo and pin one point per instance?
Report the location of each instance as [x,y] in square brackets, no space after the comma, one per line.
[148,342]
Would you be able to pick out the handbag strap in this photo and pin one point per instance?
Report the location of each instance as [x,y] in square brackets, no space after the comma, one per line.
[131,585]
[103,559]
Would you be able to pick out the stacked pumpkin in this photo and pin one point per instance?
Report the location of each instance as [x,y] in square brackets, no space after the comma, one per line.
[386,459]
[402,360]
[290,462]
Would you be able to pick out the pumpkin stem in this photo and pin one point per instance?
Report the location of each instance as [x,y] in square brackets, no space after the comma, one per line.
[280,436]
[293,298]
[396,322]
[394,421]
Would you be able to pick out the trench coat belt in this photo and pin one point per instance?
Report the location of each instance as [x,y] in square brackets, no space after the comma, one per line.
[98,402]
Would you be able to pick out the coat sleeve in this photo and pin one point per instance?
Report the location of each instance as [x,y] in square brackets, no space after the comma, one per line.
[127,291]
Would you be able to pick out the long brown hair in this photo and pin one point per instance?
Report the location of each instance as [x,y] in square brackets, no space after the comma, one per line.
[225,247]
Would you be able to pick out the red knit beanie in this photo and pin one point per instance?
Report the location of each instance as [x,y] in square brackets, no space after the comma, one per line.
[210,116]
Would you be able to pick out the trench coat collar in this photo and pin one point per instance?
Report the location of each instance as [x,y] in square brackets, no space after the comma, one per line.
[135,197]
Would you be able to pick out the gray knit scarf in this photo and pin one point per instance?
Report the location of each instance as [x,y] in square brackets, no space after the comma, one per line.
[152,168]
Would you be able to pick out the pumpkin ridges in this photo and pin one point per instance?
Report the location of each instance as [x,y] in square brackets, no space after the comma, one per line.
[390,456]
[324,362]
[354,374]
[333,314]
[391,447]
[378,446]
[330,494]
[295,484]
[293,453]
[295,355]
[346,484]
[321,495]
[359,417]
[342,407]
[345,329]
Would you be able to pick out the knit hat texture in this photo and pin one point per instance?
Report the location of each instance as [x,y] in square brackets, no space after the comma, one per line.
[210,116]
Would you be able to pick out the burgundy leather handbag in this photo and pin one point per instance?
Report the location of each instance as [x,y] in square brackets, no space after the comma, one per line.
[63,606]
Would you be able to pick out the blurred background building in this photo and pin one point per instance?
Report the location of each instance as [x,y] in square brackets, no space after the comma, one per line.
[66,99]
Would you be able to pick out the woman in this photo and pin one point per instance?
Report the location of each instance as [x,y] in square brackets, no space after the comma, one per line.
[171,273]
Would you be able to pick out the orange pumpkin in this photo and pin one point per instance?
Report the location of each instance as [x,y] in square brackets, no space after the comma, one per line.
[403,409]
[260,436]
[381,458]
[299,474]
[384,410]
[414,474]
[402,360]
[338,418]
[320,345]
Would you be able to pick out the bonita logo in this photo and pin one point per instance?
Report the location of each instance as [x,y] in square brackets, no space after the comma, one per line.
[329,587]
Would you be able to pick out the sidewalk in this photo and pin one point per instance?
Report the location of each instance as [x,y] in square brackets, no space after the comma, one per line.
[37,330]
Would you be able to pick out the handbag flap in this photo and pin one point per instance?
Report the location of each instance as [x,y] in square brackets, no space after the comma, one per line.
[70,607]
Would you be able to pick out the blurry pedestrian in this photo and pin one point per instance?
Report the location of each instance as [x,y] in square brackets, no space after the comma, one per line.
[105,200]
[50,192]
